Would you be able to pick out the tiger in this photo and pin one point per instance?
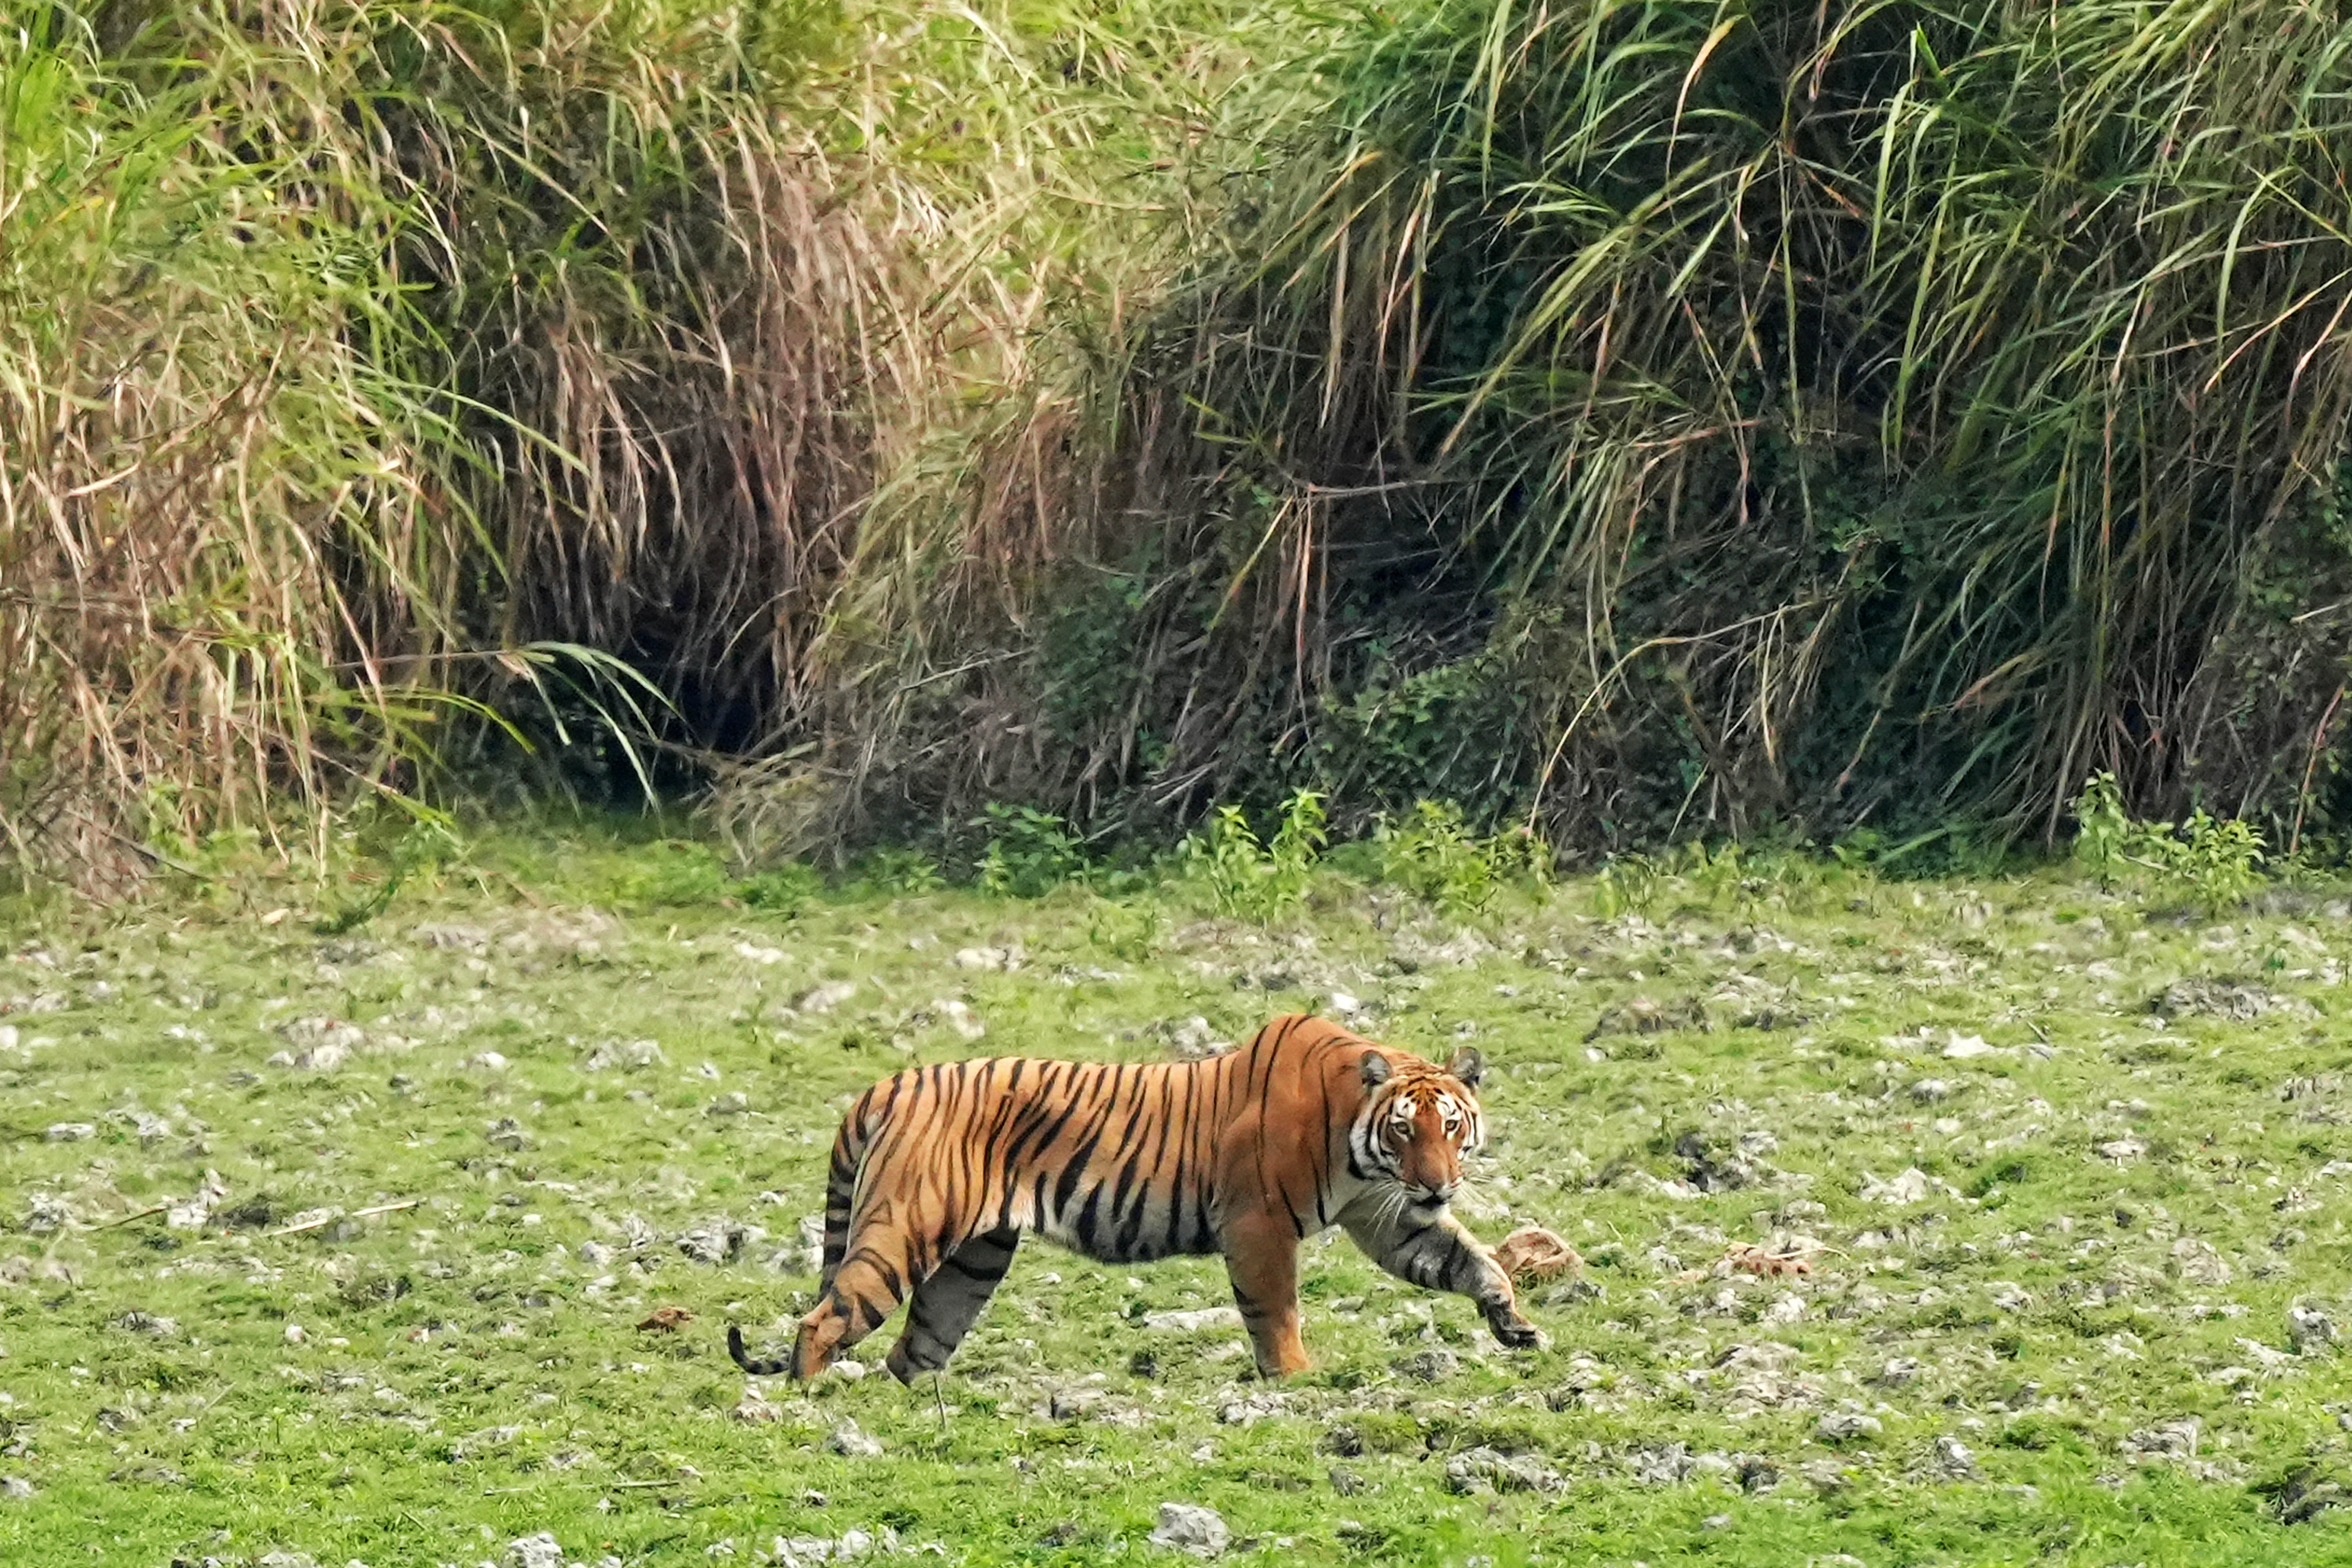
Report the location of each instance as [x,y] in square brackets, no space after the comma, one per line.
[938,1171]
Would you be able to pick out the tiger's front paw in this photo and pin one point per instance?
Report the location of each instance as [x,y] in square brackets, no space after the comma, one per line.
[1513,1331]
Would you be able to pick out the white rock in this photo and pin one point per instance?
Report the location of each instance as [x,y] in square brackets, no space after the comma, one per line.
[1965,1047]
[198,1208]
[2199,1263]
[1194,1039]
[294,1334]
[1841,1425]
[2309,1328]
[1344,1006]
[538,1551]
[825,998]
[983,958]
[957,1015]
[488,1060]
[69,1131]
[1911,1186]
[1196,1320]
[2120,1149]
[758,955]
[628,1055]
[14,1488]
[849,1442]
[1189,1527]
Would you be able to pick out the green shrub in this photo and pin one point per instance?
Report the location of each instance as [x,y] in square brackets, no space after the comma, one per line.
[2208,862]
[1029,854]
[1257,879]
[1434,856]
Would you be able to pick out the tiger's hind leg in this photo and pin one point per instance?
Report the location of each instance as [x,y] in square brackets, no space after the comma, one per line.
[1442,1256]
[949,1302]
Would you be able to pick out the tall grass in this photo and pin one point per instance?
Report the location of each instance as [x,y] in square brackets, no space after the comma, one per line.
[1639,417]
[222,572]
[373,365]
[1663,417]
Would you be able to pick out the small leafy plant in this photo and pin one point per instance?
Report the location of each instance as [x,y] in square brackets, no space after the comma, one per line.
[1030,852]
[1434,855]
[1252,879]
[891,869]
[2208,862]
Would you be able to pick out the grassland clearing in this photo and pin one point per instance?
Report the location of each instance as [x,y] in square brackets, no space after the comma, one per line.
[1984,1221]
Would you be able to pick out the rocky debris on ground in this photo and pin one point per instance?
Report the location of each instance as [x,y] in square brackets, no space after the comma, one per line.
[1194,1320]
[2306,1492]
[849,1546]
[2309,1329]
[847,1440]
[1969,1048]
[1952,1458]
[628,1055]
[1847,1426]
[1643,1015]
[2199,1262]
[1189,1527]
[755,1407]
[1671,1464]
[539,1551]
[954,1012]
[987,959]
[1910,1186]
[1718,1162]
[820,999]
[1193,1039]
[717,1239]
[1484,1469]
[2224,997]
[1252,1408]
[2175,1439]
[1432,1364]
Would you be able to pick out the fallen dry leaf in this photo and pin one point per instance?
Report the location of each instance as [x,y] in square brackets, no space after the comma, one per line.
[1748,1257]
[1531,1252]
[668,1320]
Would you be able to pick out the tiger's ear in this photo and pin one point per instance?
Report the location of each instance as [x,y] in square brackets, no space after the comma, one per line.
[1375,1069]
[1468,1066]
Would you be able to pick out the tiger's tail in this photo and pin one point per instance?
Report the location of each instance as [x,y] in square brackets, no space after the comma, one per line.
[756,1368]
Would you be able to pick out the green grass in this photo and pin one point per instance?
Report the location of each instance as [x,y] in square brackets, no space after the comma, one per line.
[470,1371]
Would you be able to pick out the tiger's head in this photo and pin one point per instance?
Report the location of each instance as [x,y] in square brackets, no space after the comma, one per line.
[1417,1122]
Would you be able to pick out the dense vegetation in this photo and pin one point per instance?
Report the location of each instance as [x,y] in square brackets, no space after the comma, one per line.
[1645,420]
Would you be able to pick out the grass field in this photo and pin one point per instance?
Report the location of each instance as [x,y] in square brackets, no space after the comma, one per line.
[2067,1174]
